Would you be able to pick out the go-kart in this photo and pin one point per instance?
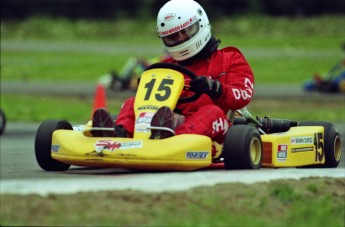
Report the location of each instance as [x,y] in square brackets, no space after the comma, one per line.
[332,82]
[251,143]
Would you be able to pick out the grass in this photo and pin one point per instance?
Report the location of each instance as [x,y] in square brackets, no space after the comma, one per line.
[36,108]
[86,62]
[307,202]
[279,50]
[299,110]
[55,66]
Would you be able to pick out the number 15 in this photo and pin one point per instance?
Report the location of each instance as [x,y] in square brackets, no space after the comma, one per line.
[163,91]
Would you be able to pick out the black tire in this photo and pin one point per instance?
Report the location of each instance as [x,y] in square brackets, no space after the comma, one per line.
[2,122]
[242,148]
[43,142]
[332,143]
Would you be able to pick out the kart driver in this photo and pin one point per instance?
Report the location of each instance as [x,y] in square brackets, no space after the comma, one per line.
[223,76]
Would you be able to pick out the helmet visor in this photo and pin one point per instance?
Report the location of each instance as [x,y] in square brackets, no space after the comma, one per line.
[181,36]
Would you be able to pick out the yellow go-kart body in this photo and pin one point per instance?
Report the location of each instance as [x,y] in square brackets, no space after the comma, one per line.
[182,152]
[158,87]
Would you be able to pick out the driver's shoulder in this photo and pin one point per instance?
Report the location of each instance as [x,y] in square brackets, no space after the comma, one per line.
[230,54]
[230,50]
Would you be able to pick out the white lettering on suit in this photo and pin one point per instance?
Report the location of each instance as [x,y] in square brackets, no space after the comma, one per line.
[220,125]
[245,94]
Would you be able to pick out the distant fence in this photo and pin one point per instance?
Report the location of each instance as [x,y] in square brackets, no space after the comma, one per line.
[110,9]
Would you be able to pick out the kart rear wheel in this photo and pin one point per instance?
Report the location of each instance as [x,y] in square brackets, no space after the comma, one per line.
[43,142]
[332,144]
[242,148]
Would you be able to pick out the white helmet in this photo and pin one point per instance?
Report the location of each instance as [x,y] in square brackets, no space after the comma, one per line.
[184,28]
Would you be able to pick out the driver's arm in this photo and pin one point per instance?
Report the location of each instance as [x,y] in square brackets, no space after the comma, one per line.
[237,84]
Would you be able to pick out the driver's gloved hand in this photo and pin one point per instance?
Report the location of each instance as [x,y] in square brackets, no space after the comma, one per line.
[212,88]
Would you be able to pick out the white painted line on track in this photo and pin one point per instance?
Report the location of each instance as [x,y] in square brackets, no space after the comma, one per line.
[159,182]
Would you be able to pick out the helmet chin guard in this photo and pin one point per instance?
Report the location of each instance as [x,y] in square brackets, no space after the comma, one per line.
[184,28]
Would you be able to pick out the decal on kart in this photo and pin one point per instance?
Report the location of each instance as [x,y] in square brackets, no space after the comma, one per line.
[197,155]
[79,128]
[319,146]
[148,107]
[143,121]
[316,143]
[302,140]
[302,149]
[145,117]
[110,145]
[55,148]
[163,92]
[282,153]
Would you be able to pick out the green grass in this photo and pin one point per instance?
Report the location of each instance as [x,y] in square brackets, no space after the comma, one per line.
[278,203]
[55,66]
[299,110]
[77,110]
[270,65]
[280,50]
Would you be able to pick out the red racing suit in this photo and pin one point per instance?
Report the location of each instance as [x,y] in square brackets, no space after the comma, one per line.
[206,116]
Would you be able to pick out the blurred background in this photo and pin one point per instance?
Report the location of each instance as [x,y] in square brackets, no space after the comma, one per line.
[54,52]
[110,9]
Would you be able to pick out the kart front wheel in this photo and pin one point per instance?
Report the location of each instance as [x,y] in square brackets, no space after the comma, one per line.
[242,148]
[332,144]
[43,143]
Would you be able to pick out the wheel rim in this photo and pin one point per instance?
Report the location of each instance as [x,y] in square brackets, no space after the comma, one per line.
[255,151]
[337,148]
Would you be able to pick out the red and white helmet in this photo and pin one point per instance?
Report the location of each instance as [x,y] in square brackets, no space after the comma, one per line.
[184,28]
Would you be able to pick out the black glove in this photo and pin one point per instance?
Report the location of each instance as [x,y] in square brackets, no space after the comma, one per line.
[120,131]
[212,88]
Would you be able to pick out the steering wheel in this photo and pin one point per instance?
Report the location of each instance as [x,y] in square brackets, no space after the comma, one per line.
[182,70]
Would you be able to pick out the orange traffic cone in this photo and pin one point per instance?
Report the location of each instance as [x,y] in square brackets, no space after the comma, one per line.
[100,98]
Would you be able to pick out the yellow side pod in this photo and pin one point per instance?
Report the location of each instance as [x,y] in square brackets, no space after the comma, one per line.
[181,152]
[299,146]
